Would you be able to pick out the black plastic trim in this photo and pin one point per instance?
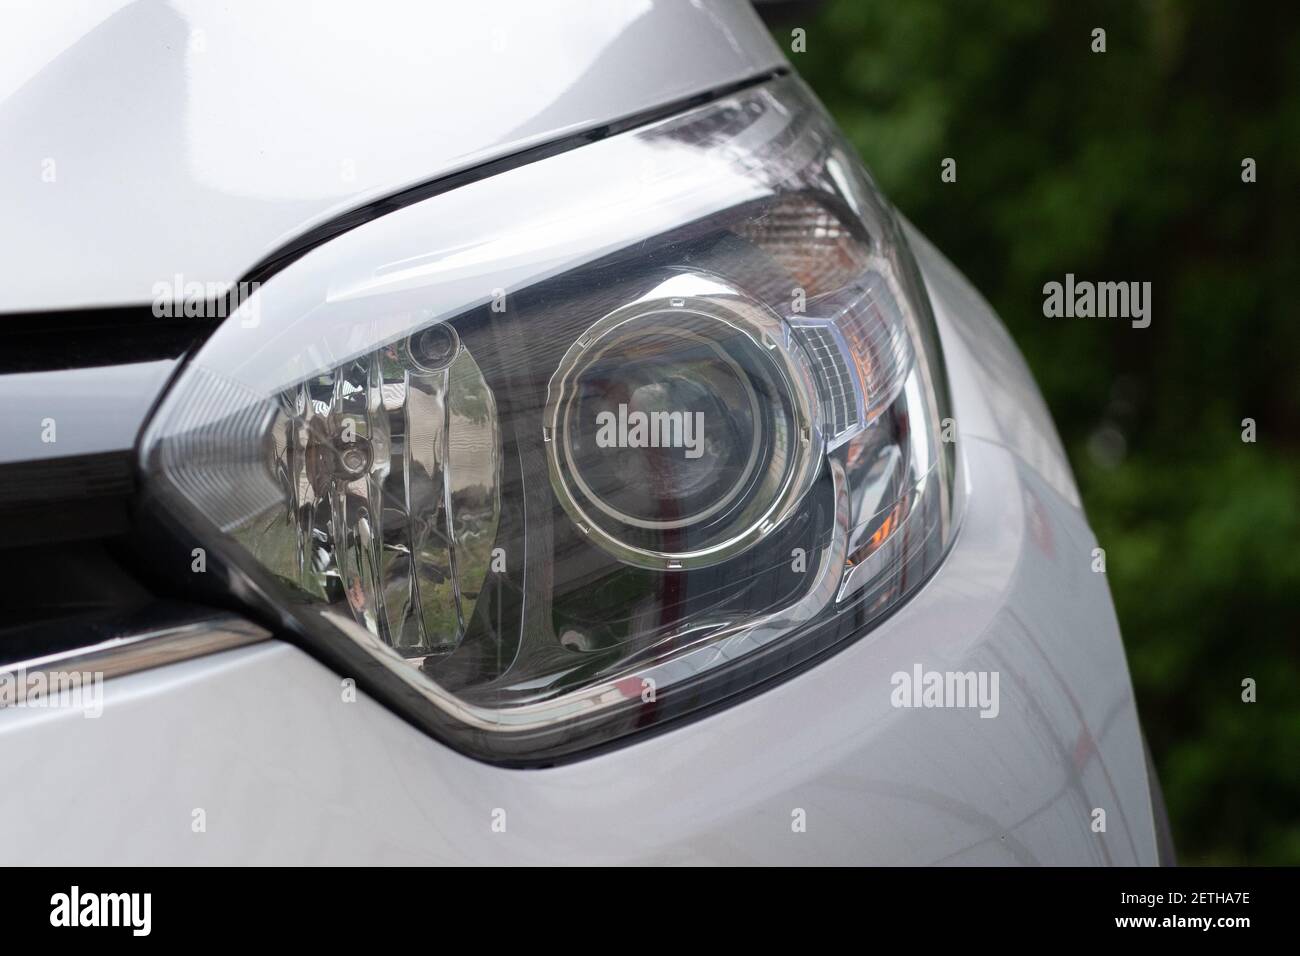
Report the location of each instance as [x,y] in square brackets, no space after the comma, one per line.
[62,339]
[65,499]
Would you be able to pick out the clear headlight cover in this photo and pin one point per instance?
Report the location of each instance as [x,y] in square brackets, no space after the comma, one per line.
[587,445]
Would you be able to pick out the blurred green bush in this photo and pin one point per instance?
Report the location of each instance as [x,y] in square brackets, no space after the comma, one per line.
[1126,165]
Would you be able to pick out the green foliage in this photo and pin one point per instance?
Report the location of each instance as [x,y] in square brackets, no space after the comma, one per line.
[1126,165]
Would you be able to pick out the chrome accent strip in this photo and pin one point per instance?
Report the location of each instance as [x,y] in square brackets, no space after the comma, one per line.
[144,650]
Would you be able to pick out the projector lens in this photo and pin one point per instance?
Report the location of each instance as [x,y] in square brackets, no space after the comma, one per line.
[682,428]
[665,426]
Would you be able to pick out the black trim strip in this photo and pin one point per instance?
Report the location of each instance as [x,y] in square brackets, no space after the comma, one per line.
[62,339]
[65,499]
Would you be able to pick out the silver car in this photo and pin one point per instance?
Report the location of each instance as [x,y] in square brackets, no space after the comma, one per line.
[497,433]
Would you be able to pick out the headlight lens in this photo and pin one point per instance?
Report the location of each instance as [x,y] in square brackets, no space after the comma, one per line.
[587,445]
[684,427]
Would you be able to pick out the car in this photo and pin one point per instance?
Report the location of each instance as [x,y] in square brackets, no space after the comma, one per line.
[517,433]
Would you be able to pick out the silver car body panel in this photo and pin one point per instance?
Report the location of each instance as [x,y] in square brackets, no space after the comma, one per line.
[149,140]
[287,770]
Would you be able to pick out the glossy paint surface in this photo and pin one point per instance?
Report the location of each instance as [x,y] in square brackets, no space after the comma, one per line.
[148,139]
[94,410]
[288,771]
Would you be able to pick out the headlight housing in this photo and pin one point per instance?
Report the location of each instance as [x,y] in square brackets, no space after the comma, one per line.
[590,444]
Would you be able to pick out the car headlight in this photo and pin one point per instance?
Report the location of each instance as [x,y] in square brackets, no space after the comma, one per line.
[586,445]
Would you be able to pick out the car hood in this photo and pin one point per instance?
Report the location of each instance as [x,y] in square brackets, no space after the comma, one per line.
[149,140]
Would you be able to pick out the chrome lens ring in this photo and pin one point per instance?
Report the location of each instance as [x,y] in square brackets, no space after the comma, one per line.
[751,435]
[764,446]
